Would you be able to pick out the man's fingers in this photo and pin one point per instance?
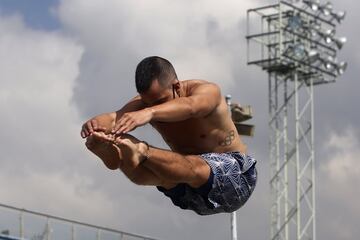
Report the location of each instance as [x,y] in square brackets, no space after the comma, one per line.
[94,124]
[124,120]
[89,127]
[83,135]
[126,126]
[103,129]
[122,123]
[86,131]
[122,129]
[129,128]
[115,128]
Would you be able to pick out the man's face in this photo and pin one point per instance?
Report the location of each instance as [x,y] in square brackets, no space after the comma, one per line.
[157,94]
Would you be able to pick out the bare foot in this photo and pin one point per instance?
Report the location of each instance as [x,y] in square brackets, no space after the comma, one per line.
[131,150]
[101,145]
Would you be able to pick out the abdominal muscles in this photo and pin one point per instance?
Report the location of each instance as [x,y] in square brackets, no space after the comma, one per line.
[197,136]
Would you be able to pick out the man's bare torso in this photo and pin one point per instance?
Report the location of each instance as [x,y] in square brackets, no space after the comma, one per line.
[215,132]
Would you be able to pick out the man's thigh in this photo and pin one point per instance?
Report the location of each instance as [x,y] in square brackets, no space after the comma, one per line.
[178,168]
[202,170]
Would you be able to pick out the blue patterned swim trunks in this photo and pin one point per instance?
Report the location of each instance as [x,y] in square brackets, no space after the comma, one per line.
[232,180]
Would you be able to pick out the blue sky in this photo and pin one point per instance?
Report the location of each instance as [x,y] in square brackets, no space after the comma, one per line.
[36,13]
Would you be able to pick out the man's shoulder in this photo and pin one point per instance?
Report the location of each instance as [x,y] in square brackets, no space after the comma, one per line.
[192,85]
[194,82]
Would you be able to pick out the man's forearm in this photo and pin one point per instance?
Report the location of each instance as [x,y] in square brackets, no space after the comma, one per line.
[178,109]
[134,104]
[108,120]
[201,102]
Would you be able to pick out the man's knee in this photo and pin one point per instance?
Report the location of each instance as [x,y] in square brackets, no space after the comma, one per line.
[201,172]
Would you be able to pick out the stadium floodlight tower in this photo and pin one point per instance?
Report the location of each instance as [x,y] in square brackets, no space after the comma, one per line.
[295,42]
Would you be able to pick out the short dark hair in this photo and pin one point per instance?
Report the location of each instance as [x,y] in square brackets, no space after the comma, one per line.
[152,68]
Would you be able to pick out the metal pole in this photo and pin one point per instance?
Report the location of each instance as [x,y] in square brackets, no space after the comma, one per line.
[297,145]
[286,173]
[72,232]
[98,234]
[233,214]
[280,31]
[277,153]
[47,230]
[21,225]
[313,157]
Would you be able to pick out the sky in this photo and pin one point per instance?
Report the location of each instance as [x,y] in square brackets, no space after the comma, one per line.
[64,61]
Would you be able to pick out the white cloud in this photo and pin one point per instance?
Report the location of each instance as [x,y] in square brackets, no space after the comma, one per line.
[338,180]
[57,194]
[342,167]
[202,38]
[44,165]
[40,146]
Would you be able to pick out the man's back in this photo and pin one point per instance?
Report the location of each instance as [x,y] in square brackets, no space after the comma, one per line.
[212,133]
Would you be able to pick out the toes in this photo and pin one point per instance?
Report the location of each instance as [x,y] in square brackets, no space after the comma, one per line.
[101,136]
[122,142]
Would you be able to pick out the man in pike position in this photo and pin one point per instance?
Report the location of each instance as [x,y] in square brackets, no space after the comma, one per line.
[207,169]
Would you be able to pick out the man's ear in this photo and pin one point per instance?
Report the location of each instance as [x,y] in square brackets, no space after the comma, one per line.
[177,88]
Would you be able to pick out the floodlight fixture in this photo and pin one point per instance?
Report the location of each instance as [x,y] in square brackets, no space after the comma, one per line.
[340,42]
[313,4]
[296,51]
[295,22]
[330,63]
[313,55]
[341,68]
[326,9]
[339,16]
[299,51]
[327,35]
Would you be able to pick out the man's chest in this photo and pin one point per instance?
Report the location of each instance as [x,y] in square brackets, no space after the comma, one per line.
[189,133]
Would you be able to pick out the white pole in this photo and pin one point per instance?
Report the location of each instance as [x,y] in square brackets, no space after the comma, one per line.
[233,215]
[21,223]
[233,226]
[72,232]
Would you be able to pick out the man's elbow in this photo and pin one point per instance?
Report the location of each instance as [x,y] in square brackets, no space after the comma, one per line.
[199,111]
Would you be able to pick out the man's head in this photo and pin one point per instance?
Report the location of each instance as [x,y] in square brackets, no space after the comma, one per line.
[155,80]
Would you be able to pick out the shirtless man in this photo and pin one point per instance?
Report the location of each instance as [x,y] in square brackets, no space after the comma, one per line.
[207,170]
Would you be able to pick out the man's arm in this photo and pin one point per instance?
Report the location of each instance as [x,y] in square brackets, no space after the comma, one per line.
[134,104]
[106,122]
[203,100]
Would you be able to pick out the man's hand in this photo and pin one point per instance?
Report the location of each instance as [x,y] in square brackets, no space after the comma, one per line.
[131,120]
[101,123]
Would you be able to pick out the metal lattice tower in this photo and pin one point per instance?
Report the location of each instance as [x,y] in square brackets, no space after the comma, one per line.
[294,41]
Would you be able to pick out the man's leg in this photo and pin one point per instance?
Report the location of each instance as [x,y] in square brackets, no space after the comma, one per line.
[190,169]
[114,157]
[169,166]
